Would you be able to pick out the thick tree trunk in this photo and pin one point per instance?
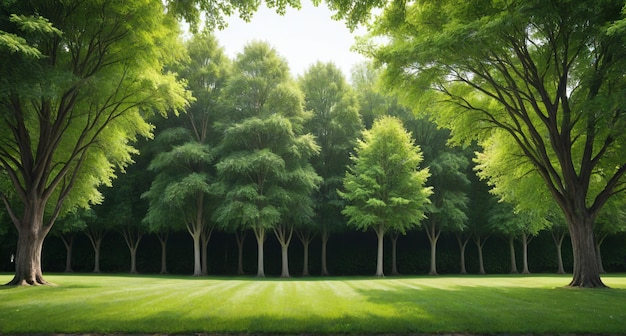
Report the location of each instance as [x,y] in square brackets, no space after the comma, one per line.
[163,241]
[525,242]
[586,269]
[31,235]
[512,254]
[462,245]
[240,236]
[259,232]
[68,241]
[325,236]
[380,233]
[558,242]
[394,254]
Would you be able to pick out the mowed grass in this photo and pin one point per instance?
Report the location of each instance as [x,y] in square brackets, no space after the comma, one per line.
[535,304]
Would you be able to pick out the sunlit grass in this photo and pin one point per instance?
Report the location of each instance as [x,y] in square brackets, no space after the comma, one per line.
[155,304]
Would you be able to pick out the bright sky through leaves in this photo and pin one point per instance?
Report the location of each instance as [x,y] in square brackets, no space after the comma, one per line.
[301,36]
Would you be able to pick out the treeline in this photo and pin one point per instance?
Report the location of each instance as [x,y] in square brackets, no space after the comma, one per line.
[258,153]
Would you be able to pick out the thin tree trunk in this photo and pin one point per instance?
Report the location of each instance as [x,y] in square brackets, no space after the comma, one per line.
[259,233]
[305,262]
[512,254]
[163,240]
[480,242]
[205,237]
[68,241]
[433,236]
[525,242]
[380,233]
[240,235]
[394,259]
[197,264]
[95,237]
[558,243]
[132,238]
[462,245]
[283,234]
[325,236]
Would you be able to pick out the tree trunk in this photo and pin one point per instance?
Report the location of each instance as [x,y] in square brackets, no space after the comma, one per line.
[525,242]
[31,234]
[283,234]
[558,242]
[380,233]
[462,245]
[68,241]
[163,240]
[197,264]
[259,233]
[433,236]
[599,255]
[586,268]
[480,242]
[132,239]
[325,236]
[512,254]
[240,236]
[305,262]
[205,237]
[394,259]
[95,237]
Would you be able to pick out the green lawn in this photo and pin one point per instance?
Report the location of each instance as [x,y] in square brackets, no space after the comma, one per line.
[449,304]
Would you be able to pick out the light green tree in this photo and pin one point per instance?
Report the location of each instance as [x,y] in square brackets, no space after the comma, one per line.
[95,71]
[547,75]
[384,188]
[336,126]
[265,167]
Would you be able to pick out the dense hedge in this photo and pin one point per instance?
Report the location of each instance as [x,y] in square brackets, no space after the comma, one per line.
[352,253]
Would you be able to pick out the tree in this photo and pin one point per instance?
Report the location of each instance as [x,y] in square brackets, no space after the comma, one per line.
[96,230]
[336,125]
[546,77]
[265,169]
[186,181]
[385,188]
[610,221]
[67,228]
[95,70]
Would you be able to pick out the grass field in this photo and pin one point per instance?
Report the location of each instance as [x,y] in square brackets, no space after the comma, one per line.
[535,304]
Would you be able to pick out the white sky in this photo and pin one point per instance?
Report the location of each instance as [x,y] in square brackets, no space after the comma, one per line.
[301,36]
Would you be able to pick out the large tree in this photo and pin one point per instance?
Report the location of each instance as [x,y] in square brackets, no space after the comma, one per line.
[384,188]
[77,80]
[336,125]
[546,76]
[265,167]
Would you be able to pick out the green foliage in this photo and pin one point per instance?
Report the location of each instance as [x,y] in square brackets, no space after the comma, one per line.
[265,167]
[384,187]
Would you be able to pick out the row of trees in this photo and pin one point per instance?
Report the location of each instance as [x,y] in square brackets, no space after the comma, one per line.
[537,84]
[242,159]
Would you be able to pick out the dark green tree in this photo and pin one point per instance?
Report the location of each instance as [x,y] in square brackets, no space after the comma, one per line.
[336,126]
[265,167]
